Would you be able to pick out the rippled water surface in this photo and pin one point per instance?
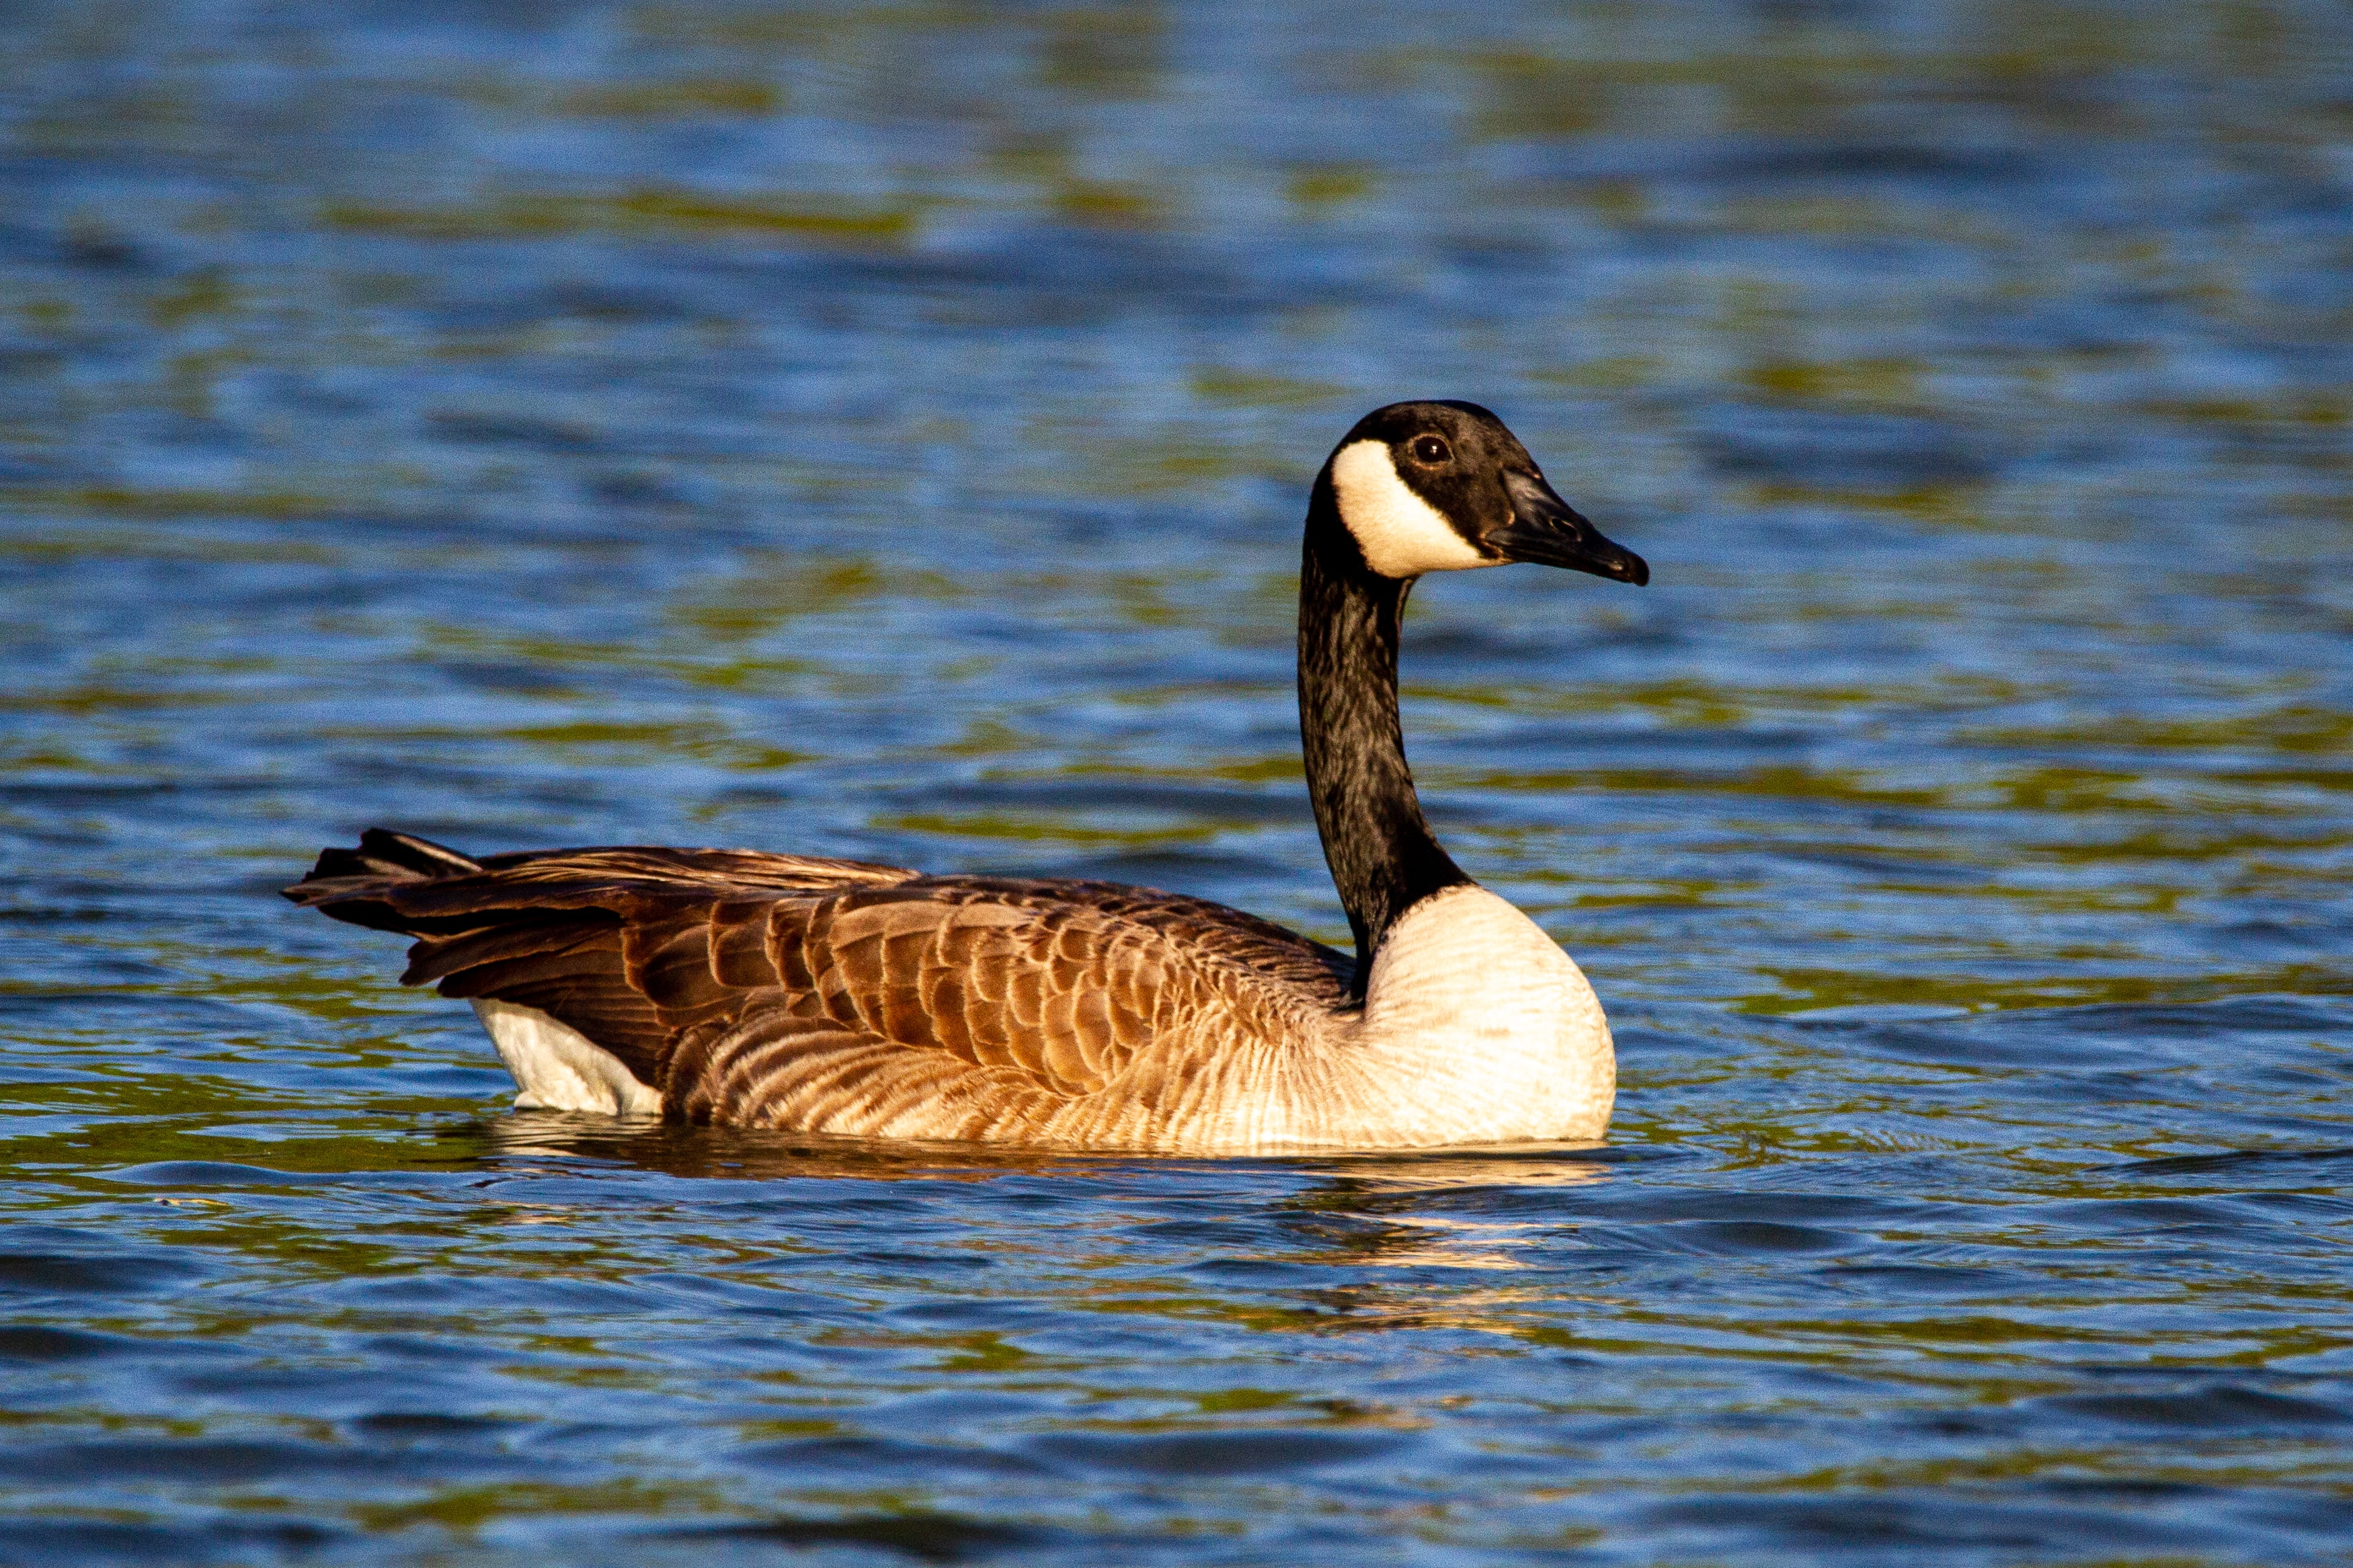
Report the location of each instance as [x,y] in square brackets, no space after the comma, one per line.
[883,433]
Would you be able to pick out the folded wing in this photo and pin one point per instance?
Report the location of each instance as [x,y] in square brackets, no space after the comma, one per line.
[827,995]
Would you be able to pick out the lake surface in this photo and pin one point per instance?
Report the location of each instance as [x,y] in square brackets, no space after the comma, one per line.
[884,433]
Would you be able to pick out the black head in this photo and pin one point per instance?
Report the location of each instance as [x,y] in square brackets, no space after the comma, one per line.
[1444,487]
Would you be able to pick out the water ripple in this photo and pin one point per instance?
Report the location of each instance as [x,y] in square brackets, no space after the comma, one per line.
[882,432]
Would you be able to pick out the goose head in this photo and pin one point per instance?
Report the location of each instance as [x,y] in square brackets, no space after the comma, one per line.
[1445,487]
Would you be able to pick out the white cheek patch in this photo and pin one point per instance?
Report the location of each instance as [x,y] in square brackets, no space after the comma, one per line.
[1401,534]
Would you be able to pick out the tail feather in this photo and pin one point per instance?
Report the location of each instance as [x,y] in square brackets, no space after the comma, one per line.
[397,857]
[384,862]
[585,936]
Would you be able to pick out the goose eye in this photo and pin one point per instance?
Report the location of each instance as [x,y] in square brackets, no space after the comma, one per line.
[1432,449]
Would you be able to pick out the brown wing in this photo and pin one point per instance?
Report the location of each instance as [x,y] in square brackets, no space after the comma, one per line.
[829,994]
[946,1005]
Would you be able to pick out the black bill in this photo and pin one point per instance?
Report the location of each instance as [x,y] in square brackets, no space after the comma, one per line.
[1545,530]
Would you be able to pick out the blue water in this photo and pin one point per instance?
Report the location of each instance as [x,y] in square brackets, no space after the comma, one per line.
[884,433]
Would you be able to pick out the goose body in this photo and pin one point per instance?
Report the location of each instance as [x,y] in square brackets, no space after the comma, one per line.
[764,990]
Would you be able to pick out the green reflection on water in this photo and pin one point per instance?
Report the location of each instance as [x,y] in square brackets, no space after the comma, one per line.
[1980,803]
[652,211]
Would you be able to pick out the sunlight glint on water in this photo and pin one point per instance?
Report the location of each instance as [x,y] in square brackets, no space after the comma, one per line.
[883,433]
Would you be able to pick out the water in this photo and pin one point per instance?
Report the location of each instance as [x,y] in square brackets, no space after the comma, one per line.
[884,433]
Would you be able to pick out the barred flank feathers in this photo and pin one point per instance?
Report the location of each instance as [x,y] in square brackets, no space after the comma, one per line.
[836,995]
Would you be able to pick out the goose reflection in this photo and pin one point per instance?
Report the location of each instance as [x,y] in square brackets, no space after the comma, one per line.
[674,1149]
[1437,1209]
[737,1154]
[1405,1201]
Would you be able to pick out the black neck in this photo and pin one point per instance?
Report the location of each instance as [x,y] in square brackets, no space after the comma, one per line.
[1383,858]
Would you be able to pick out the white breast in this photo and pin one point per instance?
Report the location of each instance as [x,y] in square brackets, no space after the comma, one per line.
[1479,1029]
[557,1067]
[1401,534]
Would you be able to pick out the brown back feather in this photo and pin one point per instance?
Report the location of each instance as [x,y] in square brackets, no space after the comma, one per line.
[746,985]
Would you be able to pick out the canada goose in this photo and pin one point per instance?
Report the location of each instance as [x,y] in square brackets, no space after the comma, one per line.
[733,986]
